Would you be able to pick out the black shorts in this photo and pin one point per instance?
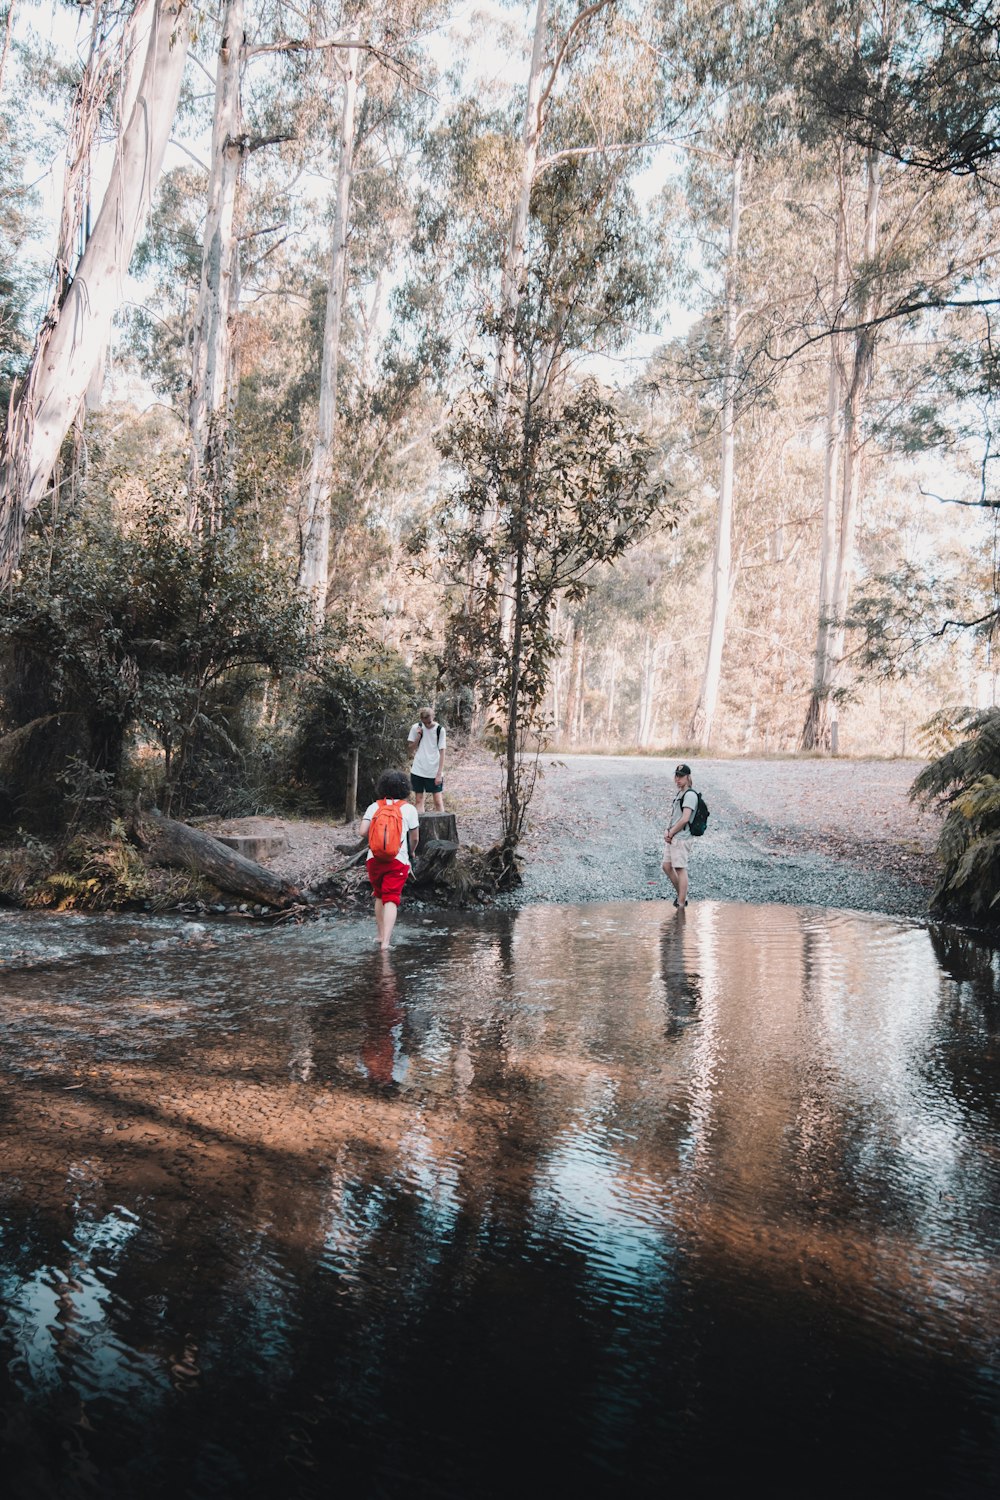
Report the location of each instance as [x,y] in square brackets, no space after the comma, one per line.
[425,783]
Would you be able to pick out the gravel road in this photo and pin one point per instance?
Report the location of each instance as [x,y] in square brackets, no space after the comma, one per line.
[816,832]
[813,832]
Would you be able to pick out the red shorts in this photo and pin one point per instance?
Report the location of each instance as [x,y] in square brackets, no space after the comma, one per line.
[388,876]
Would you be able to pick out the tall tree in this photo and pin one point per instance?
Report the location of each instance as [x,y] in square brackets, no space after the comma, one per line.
[314,569]
[726,75]
[211,372]
[77,326]
[851,377]
[703,718]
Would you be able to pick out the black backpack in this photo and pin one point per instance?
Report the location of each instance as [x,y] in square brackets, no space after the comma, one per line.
[698,821]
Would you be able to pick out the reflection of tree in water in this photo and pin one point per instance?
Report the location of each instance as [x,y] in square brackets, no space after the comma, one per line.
[682,991]
[967,957]
[523,1239]
[969,1018]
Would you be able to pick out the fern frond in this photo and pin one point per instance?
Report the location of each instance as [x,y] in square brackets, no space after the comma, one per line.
[943,730]
[981,801]
[976,757]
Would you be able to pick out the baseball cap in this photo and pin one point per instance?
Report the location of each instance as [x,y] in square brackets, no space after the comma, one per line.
[683,770]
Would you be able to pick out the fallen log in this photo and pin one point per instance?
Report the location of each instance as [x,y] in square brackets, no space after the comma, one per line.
[183,847]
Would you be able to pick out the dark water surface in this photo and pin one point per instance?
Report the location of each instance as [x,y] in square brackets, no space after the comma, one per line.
[606,1199]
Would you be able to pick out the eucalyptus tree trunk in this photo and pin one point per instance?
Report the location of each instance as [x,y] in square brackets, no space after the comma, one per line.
[816,730]
[76,329]
[210,406]
[647,691]
[573,683]
[823,708]
[722,581]
[314,569]
[581,691]
[609,716]
[512,801]
[515,259]
[517,238]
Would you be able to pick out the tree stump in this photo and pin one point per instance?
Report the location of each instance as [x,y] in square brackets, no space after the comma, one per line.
[437,826]
[253,845]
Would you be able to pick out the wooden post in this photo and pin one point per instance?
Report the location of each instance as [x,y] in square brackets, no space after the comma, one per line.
[351,804]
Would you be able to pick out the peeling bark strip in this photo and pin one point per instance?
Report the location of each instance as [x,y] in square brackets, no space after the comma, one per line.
[75,332]
[184,848]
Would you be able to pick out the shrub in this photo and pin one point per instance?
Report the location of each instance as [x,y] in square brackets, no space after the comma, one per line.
[966,780]
[363,700]
[116,627]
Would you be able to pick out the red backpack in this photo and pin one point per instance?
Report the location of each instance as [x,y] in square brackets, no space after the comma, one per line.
[385,831]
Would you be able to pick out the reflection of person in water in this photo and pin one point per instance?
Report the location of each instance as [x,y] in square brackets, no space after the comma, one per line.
[681,982]
[381,1053]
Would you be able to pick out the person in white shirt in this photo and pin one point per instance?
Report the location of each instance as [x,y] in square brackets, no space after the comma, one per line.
[427,740]
[676,838]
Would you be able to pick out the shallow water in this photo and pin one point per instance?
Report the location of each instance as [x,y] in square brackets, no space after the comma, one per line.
[607,1199]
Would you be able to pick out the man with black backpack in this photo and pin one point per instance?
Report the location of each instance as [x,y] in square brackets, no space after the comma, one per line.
[677,834]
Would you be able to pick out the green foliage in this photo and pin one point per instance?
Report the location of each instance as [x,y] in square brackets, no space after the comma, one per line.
[121,626]
[550,489]
[361,698]
[931,99]
[900,615]
[966,779]
[92,872]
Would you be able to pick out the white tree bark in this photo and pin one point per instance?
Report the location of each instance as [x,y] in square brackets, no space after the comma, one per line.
[315,565]
[816,731]
[609,719]
[210,405]
[648,683]
[853,442]
[573,685]
[722,580]
[511,283]
[75,334]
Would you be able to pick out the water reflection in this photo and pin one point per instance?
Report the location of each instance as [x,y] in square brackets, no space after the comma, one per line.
[622,1189]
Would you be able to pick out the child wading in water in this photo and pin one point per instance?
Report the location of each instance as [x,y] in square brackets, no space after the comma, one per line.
[392,828]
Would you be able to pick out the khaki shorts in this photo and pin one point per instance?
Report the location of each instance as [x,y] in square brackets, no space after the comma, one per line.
[676,853]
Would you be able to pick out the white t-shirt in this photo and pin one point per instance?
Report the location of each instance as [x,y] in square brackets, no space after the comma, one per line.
[689,798]
[411,819]
[425,762]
